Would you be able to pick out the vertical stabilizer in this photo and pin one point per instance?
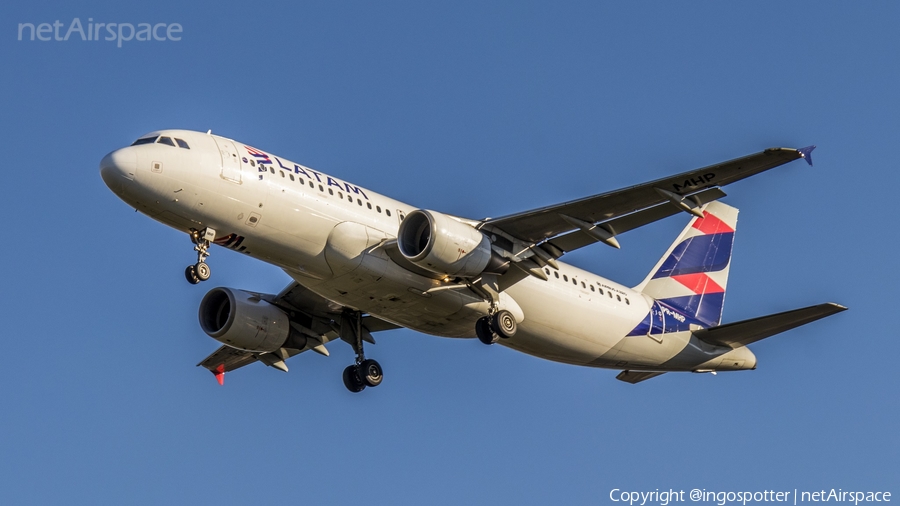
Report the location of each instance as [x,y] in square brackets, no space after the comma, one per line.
[692,276]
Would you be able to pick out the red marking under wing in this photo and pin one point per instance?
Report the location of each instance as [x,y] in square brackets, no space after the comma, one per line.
[699,283]
[710,224]
[220,374]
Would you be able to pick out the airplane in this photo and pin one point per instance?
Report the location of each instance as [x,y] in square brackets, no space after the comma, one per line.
[363,263]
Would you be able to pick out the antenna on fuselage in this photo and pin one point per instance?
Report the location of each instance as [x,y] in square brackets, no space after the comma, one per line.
[209,132]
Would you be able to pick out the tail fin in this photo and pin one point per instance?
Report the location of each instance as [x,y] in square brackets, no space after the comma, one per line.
[692,276]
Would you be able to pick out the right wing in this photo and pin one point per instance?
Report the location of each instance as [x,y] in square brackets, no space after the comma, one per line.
[571,225]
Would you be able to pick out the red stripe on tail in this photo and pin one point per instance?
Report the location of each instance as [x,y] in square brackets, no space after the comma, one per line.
[709,224]
[699,283]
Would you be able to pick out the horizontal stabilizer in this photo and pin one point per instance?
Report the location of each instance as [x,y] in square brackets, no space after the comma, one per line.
[749,331]
[636,376]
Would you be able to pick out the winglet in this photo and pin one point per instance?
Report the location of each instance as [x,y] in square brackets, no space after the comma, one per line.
[806,154]
[220,374]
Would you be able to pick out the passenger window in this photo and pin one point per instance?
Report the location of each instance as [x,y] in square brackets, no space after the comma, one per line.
[272,170]
[166,140]
[330,191]
[387,212]
[282,173]
[369,205]
[592,288]
[574,282]
[600,290]
[619,297]
[359,201]
[252,163]
[583,285]
[565,278]
[311,185]
[547,270]
[556,274]
[610,294]
[182,144]
[350,197]
[626,301]
[292,177]
[145,140]
[340,195]
[321,188]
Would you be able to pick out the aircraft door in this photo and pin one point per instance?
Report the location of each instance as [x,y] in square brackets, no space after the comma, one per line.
[231,163]
[657,323]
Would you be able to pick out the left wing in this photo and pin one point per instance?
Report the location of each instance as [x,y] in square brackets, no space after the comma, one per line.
[305,309]
[571,225]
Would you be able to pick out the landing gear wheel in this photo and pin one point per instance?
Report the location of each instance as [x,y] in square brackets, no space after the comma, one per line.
[352,380]
[504,324]
[201,270]
[370,373]
[191,275]
[484,332]
[202,240]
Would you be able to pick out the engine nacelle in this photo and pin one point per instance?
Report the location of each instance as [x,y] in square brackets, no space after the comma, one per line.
[243,320]
[442,245]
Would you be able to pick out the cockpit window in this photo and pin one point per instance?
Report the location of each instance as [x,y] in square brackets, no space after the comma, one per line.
[182,144]
[166,140]
[145,140]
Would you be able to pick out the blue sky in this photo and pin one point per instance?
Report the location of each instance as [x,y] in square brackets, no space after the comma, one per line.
[478,110]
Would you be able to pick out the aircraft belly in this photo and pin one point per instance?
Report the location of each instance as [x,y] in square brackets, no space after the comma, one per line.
[569,325]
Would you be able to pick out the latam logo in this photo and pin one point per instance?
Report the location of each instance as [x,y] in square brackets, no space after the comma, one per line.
[261,157]
[264,159]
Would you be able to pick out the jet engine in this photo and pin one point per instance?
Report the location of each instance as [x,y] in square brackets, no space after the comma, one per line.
[443,245]
[245,321]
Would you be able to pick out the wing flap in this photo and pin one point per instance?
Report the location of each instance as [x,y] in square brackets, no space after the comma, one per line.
[749,331]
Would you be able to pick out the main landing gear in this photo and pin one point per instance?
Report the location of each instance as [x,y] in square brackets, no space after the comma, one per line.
[365,372]
[200,271]
[492,328]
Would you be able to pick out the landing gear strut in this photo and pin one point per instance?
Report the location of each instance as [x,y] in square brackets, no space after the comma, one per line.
[365,372]
[492,328]
[200,271]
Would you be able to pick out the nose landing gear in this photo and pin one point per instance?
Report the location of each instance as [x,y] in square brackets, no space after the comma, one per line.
[200,271]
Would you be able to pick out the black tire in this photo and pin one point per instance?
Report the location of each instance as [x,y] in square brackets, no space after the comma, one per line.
[370,373]
[484,332]
[504,324]
[191,275]
[201,270]
[352,380]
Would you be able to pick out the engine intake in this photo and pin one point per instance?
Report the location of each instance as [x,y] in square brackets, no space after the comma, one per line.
[245,321]
[443,245]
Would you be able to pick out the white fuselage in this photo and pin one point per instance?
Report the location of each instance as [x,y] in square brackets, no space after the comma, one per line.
[325,233]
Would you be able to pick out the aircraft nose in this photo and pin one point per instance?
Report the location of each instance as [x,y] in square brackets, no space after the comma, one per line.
[118,168]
